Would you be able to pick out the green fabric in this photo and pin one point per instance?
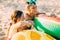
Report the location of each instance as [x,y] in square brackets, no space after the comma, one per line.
[52,28]
[31,1]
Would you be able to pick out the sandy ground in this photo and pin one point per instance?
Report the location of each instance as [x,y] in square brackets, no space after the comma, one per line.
[7,6]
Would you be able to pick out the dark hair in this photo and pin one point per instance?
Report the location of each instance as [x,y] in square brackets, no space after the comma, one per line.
[34,3]
[17,14]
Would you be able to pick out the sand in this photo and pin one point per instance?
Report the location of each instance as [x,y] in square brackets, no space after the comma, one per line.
[7,6]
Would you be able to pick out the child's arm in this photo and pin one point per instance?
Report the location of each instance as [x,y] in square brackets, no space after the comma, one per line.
[18,27]
[13,30]
[10,23]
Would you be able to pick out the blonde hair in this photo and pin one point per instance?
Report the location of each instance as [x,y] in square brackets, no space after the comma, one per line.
[16,15]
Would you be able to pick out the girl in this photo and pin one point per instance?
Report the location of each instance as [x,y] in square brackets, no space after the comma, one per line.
[19,24]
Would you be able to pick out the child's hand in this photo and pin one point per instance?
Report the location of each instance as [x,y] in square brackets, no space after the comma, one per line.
[24,27]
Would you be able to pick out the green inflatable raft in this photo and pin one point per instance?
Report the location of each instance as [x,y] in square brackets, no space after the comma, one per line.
[50,26]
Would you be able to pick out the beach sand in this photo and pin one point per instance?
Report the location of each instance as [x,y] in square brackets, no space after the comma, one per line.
[7,6]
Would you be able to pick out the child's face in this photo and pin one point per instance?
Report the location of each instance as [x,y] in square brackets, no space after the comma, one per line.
[32,9]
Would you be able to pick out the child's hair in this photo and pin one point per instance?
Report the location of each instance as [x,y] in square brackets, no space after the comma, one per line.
[17,14]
